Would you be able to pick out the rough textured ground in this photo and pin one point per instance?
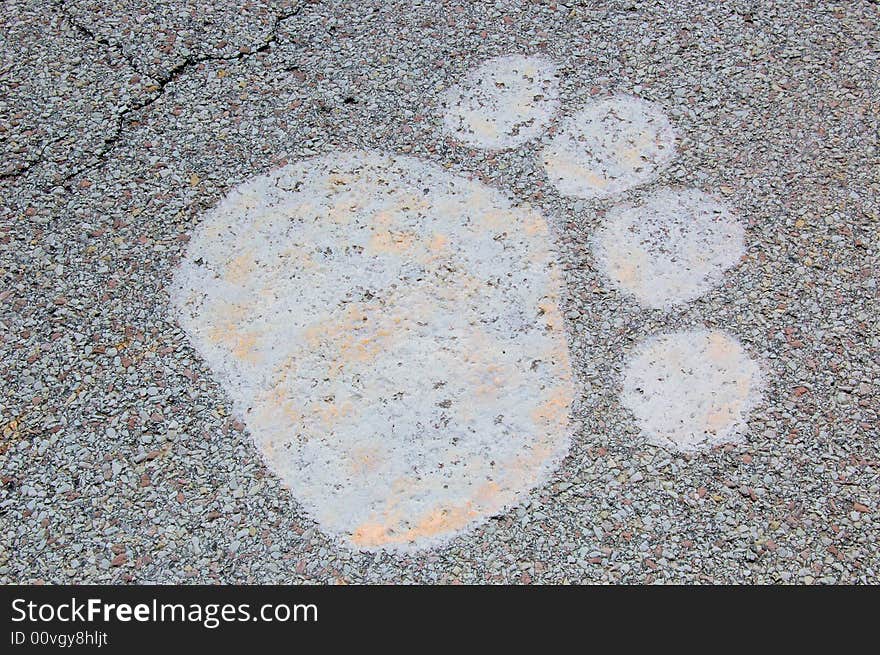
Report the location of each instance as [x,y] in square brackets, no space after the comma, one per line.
[120,123]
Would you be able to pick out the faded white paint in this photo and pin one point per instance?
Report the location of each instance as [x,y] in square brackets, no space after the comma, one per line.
[502,103]
[671,248]
[609,146]
[390,334]
[691,390]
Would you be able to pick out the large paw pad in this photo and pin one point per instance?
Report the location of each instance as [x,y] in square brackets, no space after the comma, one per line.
[391,336]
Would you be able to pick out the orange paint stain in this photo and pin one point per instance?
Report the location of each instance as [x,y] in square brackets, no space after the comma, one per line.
[240,268]
[392,243]
[554,410]
[438,243]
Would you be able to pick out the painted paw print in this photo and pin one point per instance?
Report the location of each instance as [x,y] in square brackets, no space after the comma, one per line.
[390,332]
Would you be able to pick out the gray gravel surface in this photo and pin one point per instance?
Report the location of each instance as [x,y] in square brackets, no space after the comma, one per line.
[121,122]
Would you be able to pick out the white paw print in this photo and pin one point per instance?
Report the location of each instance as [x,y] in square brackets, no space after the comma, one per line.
[390,332]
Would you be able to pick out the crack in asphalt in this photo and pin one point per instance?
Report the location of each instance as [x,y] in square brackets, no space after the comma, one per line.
[24,168]
[171,75]
[61,9]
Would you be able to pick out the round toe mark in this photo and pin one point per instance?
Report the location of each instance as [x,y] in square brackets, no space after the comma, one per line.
[609,146]
[503,103]
[691,390]
[671,248]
